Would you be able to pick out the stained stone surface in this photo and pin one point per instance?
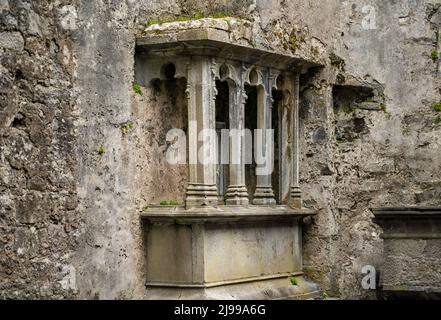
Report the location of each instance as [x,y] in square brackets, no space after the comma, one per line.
[412,251]
[81,153]
[230,252]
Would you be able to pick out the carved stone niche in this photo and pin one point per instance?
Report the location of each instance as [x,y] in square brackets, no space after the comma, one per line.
[412,252]
[242,246]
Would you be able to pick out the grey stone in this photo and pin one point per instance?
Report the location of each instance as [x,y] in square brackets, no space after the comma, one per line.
[74,87]
[11,40]
[68,17]
[259,244]
[412,255]
[4,5]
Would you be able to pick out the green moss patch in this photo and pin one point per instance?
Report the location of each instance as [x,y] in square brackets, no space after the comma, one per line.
[137,89]
[220,15]
[169,203]
[437,106]
[293,280]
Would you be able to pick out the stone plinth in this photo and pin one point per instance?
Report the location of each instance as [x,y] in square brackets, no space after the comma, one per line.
[412,251]
[230,252]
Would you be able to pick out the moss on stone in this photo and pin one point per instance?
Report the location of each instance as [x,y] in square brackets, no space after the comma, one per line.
[137,89]
[337,61]
[169,203]
[313,273]
[437,106]
[434,55]
[340,140]
[162,21]
[293,280]
[220,15]
[101,151]
[294,41]
[125,128]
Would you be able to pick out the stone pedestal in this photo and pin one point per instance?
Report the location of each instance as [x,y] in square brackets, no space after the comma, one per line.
[230,252]
[412,252]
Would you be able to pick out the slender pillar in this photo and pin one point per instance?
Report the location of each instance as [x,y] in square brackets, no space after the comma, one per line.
[286,132]
[237,191]
[295,197]
[264,194]
[201,94]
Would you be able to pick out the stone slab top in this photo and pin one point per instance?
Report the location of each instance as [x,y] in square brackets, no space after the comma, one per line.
[407,212]
[409,222]
[229,38]
[251,213]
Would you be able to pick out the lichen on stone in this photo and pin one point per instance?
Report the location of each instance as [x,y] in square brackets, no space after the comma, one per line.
[197,16]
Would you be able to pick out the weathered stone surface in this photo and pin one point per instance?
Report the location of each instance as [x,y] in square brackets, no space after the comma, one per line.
[258,244]
[37,208]
[66,93]
[412,251]
[11,40]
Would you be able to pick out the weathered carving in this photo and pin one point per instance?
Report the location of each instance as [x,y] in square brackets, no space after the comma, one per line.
[203,229]
[295,197]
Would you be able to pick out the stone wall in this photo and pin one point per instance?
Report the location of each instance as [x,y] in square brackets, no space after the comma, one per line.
[39,221]
[380,151]
[78,145]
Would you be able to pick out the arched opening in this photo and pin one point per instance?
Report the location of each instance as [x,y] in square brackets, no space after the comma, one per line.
[251,124]
[168,71]
[276,118]
[254,77]
[169,111]
[222,106]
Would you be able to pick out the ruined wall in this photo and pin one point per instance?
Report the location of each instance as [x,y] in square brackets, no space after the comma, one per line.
[78,144]
[39,226]
[378,147]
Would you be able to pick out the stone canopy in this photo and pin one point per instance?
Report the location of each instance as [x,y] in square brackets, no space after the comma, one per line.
[204,52]
[227,38]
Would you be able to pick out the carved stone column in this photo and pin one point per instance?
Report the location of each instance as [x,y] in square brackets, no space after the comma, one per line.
[201,94]
[237,191]
[286,132]
[264,194]
[295,197]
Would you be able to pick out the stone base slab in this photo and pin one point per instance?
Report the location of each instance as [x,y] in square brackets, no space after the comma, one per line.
[226,252]
[271,289]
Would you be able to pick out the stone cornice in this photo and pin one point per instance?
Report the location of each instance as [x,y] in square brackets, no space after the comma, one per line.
[214,37]
[180,215]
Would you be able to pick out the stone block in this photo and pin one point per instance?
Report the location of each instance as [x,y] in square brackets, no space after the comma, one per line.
[11,40]
[212,249]
[412,254]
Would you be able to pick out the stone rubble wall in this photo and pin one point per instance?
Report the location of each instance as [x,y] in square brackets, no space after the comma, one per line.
[80,151]
[39,217]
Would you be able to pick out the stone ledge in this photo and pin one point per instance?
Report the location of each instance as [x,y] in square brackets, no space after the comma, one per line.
[223,283]
[180,215]
[272,289]
[407,213]
[409,222]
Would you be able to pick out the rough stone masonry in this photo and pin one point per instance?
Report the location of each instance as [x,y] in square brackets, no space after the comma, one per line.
[81,151]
